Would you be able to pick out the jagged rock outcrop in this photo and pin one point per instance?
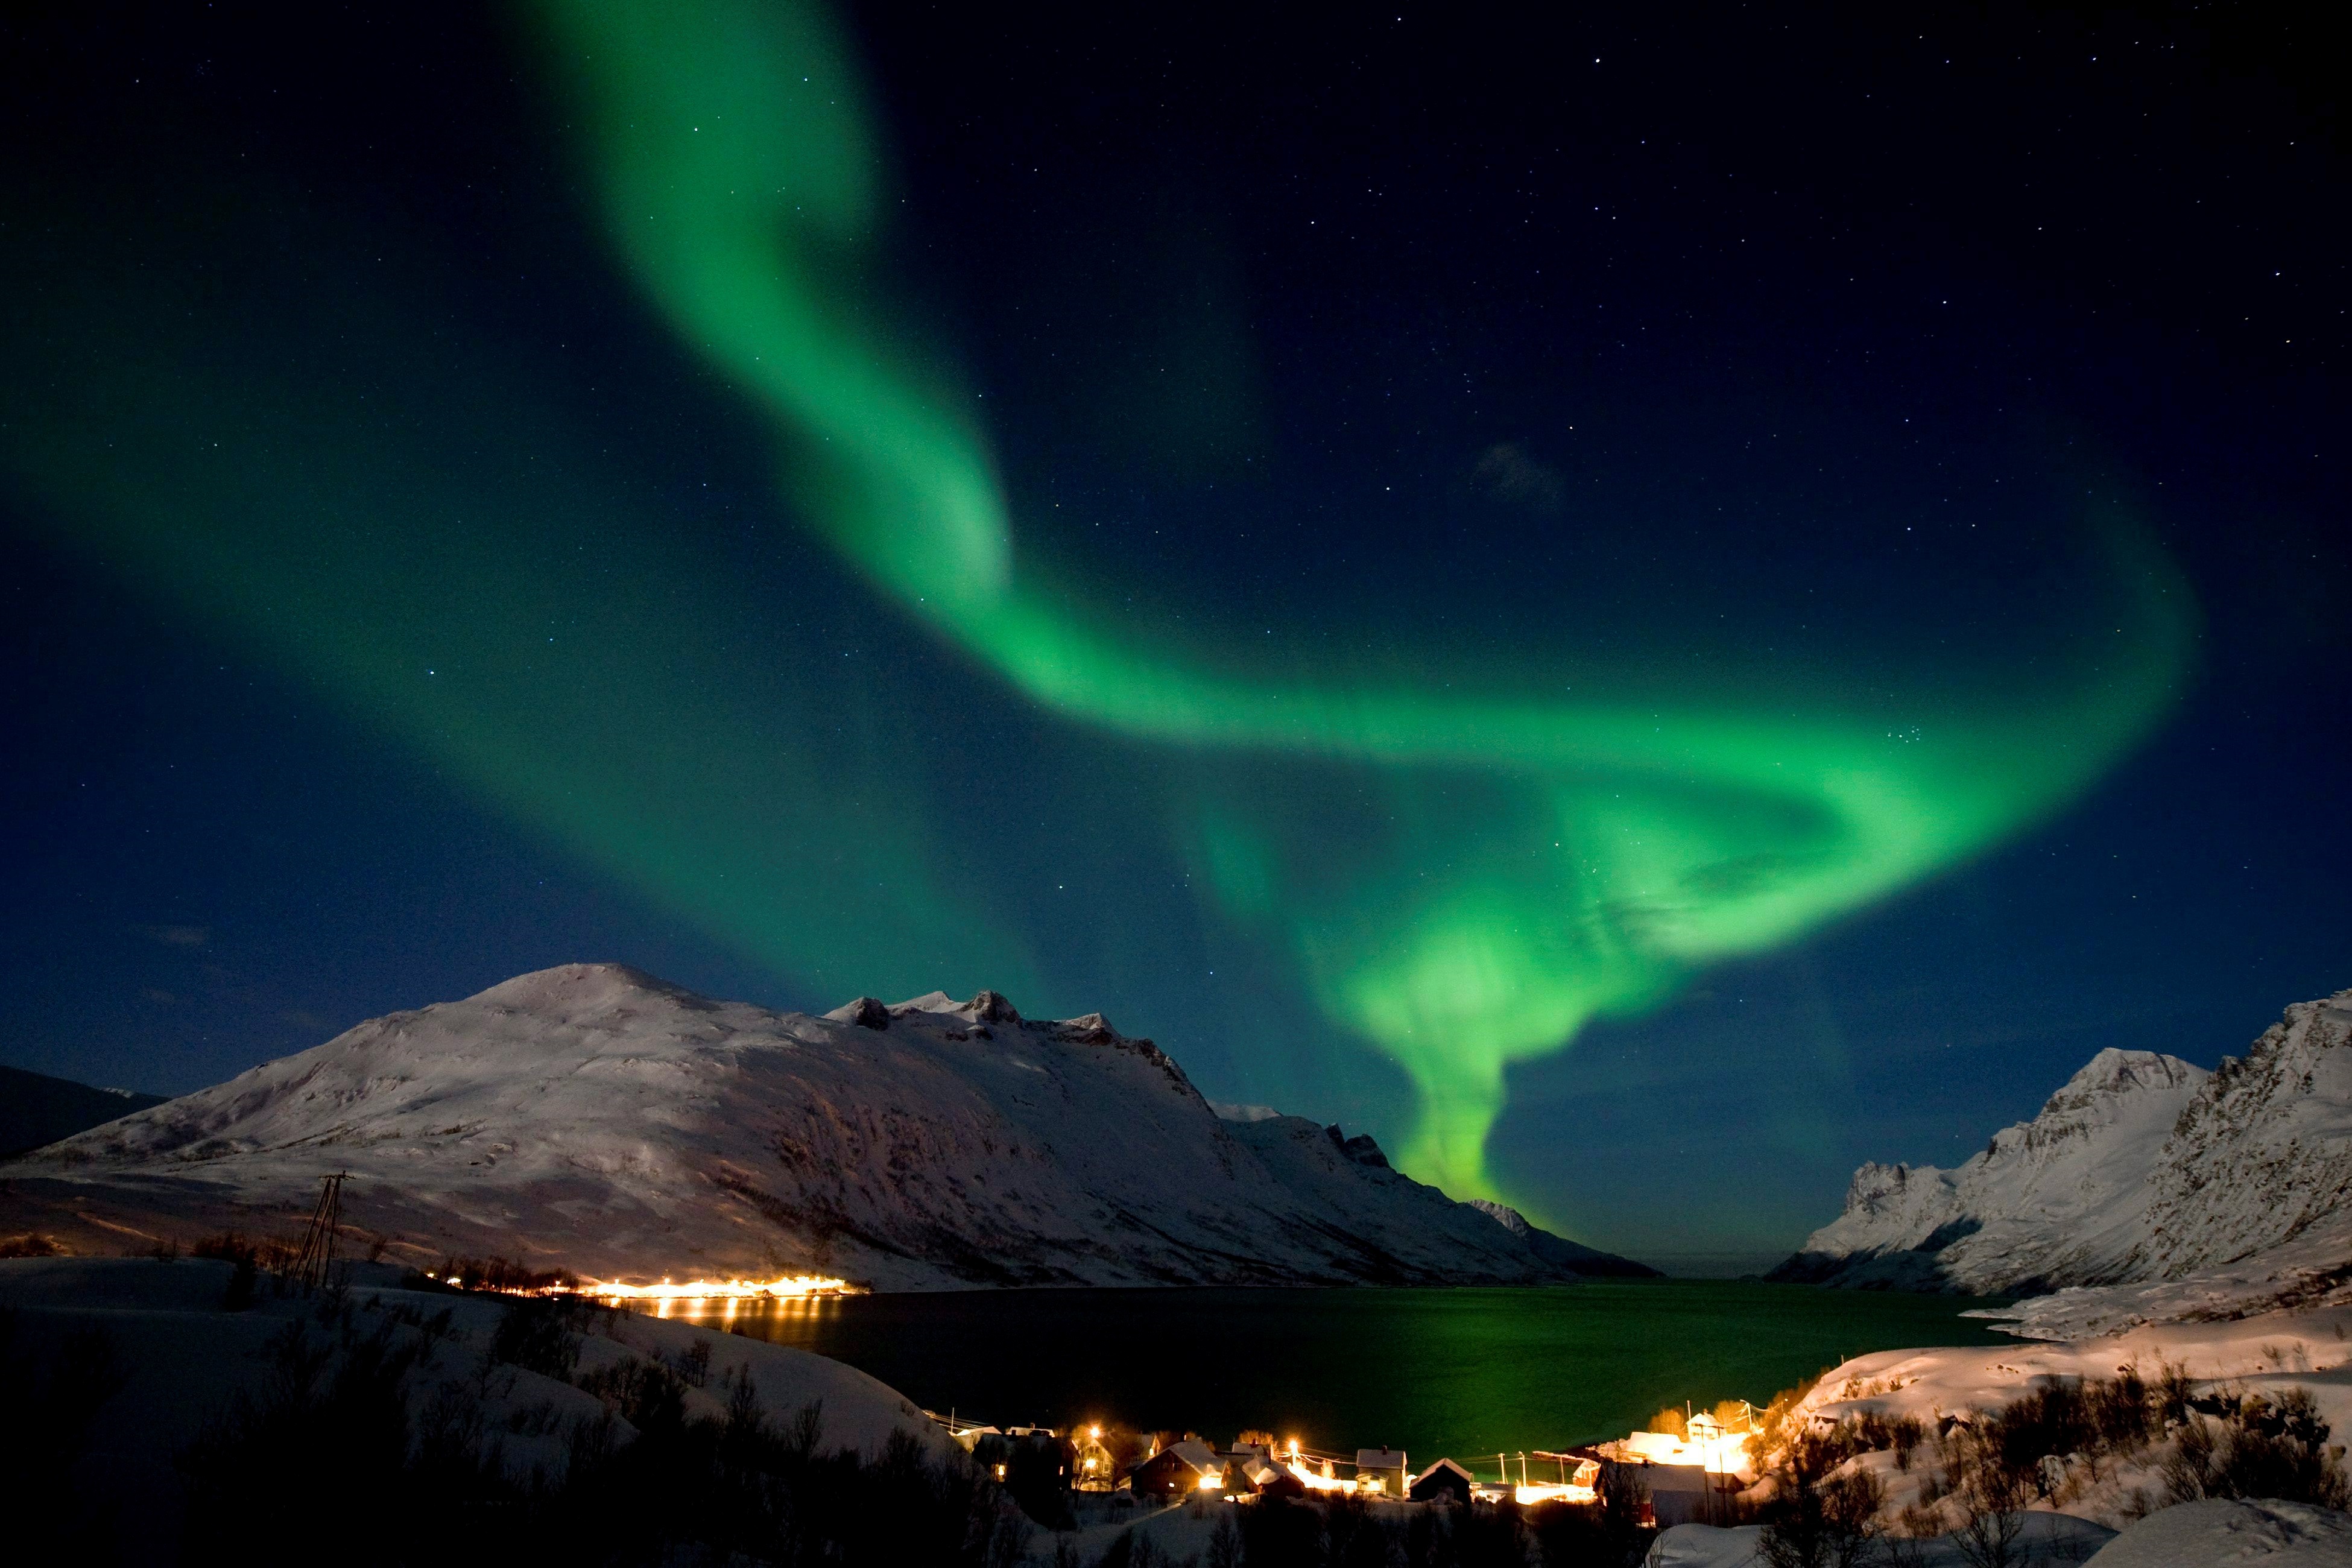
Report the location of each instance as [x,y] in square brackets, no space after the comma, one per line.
[595,1118]
[2143,1169]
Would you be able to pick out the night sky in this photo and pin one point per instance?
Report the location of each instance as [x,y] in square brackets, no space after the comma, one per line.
[1647,609]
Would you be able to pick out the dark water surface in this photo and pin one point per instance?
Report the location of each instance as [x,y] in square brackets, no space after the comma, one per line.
[1460,1371]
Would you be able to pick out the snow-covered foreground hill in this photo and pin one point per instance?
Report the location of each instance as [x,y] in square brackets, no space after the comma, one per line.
[180,1357]
[2097,1495]
[593,1118]
[2146,1189]
[2209,1533]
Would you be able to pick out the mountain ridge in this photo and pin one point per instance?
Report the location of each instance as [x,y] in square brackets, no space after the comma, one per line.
[36,1109]
[2144,1185]
[597,1118]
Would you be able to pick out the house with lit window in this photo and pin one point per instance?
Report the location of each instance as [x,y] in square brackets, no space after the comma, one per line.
[1381,1470]
[1093,1467]
[1178,1469]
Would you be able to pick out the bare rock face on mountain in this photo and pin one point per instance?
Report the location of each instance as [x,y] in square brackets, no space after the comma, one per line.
[2170,1188]
[593,1118]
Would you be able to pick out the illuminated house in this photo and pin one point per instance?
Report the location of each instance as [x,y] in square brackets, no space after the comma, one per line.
[1182,1468]
[1380,1470]
[1092,1468]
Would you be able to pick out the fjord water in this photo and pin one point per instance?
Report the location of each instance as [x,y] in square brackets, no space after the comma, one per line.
[1459,1371]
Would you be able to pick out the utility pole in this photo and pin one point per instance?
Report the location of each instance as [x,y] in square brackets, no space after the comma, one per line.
[309,1267]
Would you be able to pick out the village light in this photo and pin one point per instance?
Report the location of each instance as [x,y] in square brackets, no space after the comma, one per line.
[786,1287]
[1315,1483]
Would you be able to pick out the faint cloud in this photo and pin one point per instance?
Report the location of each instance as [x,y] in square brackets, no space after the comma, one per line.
[179,936]
[154,994]
[1507,474]
[302,1018]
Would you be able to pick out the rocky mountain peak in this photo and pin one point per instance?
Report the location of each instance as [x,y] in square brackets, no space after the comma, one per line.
[2115,1073]
[2142,1168]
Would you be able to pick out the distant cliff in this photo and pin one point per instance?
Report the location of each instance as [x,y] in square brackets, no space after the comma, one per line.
[36,1108]
[594,1118]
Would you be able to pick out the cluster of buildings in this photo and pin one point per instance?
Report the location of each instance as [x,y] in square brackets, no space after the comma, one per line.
[1687,1476]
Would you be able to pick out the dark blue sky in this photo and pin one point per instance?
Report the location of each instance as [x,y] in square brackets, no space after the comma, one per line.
[1697,336]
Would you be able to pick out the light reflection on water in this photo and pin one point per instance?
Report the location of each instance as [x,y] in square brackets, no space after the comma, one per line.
[1463,1371]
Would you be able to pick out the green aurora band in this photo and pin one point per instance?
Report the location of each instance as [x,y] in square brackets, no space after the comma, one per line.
[738,183]
[323,471]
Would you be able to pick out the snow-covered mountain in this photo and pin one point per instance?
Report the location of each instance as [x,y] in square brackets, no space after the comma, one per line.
[2143,1174]
[594,1118]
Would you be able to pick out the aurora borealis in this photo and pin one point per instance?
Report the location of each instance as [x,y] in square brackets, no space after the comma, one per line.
[1396,726]
[732,158]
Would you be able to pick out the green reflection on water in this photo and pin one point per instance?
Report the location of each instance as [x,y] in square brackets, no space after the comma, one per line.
[1463,1373]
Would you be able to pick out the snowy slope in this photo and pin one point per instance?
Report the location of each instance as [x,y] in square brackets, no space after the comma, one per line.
[181,1354]
[2146,1176]
[595,1118]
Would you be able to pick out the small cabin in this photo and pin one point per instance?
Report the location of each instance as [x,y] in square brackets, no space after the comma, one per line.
[1443,1481]
[1180,1469]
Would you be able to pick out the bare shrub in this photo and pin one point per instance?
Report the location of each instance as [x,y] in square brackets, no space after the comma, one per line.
[1994,1499]
[693,1363]
[2121,1411]
[1774,1422]
[2269,1448]
[1821,1516]
[1225,1540]
[1898,1433]
[645,1393]
[2170,1395]
[533,1335]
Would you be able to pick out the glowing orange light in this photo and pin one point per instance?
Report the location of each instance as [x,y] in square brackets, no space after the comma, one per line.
[1314,1482]
[789,1287]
